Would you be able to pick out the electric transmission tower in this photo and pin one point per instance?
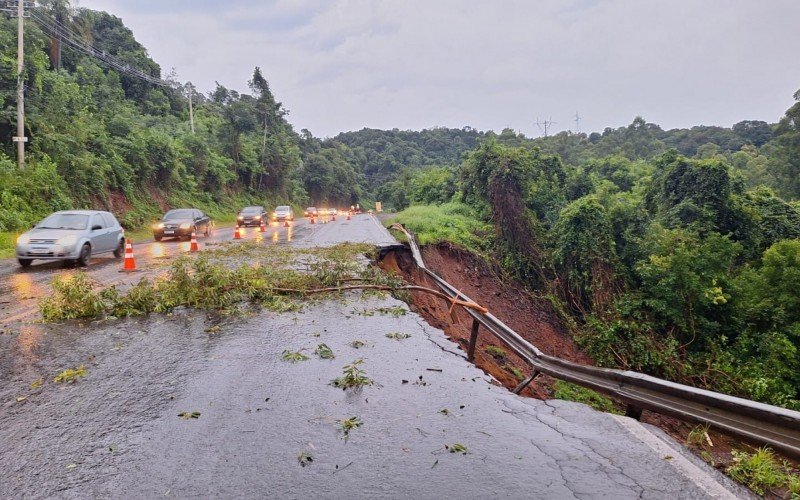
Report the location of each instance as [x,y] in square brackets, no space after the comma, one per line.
[544,126]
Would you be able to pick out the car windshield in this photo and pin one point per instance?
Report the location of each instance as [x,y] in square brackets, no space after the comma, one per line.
[183,213]
[252,210]
[64,221]
[311,209]
[282,208]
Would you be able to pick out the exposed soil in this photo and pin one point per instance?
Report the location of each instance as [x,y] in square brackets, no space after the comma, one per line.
[530,316]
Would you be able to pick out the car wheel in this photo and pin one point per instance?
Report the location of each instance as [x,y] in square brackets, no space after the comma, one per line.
[157,237]
[85,255]
[25,262]
[120,250]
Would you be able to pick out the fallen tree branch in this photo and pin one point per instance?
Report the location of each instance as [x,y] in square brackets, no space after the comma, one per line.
[412,288]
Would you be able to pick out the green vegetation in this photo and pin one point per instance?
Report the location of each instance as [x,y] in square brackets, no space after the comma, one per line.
[293,356]
[324,352]
[456,448]
[398,336]
[666,252]
[348,425]
[496,352]
[186,415]
[215,281]
[450,222]
[763,472]
[70,375]
[352,377]
[571,392]
[698,436]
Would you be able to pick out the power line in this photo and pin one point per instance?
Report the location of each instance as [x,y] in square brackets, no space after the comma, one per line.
[54,28]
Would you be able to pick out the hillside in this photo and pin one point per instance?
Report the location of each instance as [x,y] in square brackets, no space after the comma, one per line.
[118,136]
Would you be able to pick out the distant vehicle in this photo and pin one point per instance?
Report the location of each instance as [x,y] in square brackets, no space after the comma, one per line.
[71,236]
[282,213]
[252,216]
[310,211]
[181,222]
[333,211]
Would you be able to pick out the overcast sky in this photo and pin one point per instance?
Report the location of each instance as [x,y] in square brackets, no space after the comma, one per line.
[342,65]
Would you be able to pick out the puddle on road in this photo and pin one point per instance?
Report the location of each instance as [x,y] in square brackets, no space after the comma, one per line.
[158,251]
[22,287]
[28,341]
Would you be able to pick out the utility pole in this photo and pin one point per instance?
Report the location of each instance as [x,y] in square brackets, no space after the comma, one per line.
[20,139]
[191,110]
[577,122]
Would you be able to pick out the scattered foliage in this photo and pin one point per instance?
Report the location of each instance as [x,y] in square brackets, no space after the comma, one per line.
[70,375]
[352,377]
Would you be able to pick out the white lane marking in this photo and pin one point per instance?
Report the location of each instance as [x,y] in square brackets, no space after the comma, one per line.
[699,477]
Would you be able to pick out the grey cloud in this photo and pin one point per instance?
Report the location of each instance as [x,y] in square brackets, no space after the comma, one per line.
[347,64]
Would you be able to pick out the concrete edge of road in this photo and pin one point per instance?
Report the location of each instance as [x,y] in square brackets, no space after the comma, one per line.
[713,482]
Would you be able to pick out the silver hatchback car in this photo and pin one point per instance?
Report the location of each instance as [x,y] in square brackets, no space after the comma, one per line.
[71,236]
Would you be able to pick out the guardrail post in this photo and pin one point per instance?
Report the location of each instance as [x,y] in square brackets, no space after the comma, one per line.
[473,340]
[525,382]
[633,411]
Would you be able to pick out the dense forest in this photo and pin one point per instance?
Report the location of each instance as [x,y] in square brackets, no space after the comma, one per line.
[673,252]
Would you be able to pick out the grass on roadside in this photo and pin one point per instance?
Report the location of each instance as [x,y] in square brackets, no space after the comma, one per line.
[8,240]
[763,472]
[571,392]
[451,222]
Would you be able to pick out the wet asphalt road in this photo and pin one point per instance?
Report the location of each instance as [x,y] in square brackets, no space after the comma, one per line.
[117,431]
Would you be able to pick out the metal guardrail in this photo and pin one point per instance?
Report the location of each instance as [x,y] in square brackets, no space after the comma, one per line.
[761,423]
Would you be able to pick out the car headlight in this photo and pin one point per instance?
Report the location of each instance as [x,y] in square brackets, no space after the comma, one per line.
[158,225]
[240,217]
[186,225]
[67,240]
[23,239]
[257,217]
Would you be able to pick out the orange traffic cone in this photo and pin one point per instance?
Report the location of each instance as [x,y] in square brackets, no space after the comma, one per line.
[130,263]
[194,247]
[348,215]
[285,222]
[237,235]
[312,220]
[333,218]
[262,227]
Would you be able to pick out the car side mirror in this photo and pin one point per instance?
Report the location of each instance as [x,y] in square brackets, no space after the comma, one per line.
[96,228]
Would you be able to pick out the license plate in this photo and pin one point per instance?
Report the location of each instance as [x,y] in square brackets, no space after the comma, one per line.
[40,250]
[169,232]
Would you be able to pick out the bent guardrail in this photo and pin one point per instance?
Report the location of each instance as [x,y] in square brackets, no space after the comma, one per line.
[759,422]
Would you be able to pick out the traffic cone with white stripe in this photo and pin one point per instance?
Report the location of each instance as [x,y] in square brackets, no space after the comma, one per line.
[312,220]
[237,234]
[285,222]
[129,265]
[348,215]
[262,227]
[333,217]
[193,247]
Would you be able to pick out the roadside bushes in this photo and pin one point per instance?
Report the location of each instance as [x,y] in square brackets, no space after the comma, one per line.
[25,199]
